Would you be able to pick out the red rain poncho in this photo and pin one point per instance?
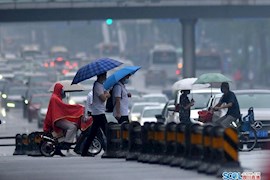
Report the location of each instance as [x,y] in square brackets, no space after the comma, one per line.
[58,110]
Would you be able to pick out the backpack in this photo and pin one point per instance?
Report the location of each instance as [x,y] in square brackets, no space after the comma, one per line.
[109,103]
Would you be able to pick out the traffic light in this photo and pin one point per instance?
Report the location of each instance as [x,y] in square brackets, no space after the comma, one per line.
[109,21]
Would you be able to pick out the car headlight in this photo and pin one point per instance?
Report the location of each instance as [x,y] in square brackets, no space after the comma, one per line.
[4,96]
[11,105]
[134,118]
[71,102]
[26,101]
[3,112]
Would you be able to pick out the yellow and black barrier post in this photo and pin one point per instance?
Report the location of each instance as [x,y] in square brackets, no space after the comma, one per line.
[35,144]
[25,144]
[113,131]
[124,138]
[216,150]
[194,155]
[18,145]
[147,137]
[180,147]
[135,141]
[230,149]
[187,133]
[170,148]
[159,143]
[207,140]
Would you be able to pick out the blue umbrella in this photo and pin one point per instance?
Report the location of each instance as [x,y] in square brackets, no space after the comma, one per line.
[96,67]
[118,75]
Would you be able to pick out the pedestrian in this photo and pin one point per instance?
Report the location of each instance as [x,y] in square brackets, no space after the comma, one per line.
[62,117]
[98,111]
[120,100]
[230,99]
[184,107]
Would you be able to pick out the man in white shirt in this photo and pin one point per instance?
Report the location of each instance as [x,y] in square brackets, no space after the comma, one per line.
[120,100]
[100,96]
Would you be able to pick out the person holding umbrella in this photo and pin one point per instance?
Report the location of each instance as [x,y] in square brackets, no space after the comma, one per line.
[185,105]
[100,96]
[120,99]
[230,99]
[120,95]
[97,68]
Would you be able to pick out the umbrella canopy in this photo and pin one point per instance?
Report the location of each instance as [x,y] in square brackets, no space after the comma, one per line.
[68,87]
[188,84]
[115,77]
[212,78]
[96,67]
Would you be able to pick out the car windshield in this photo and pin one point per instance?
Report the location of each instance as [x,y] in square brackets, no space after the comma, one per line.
[201,100]
[43,100]
[159,99]
[139,108]
[255,100]
[79,94]
[151,112]
[14,91]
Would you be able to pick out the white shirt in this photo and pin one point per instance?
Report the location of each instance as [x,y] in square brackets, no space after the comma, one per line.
[98,106]
[89,101]
[119,90]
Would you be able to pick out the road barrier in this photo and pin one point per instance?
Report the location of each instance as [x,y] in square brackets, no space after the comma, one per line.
[170,147]
[207,140]
[34,144]
[18,145]
[135,141]
[124,140]
[113,131]
[180,147]
[230,149]
[158,143]
[146,138]
[195,151]
[25,144]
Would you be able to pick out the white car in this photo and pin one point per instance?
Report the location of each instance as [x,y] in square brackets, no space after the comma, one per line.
[149,114]
[137,109]
[201,98]
[162,99]
[77,97]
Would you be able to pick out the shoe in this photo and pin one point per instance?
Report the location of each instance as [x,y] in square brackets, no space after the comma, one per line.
[58,152]
[88,154]
[77,151]
[64,146]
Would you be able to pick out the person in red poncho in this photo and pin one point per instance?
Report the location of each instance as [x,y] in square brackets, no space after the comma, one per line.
[61,116]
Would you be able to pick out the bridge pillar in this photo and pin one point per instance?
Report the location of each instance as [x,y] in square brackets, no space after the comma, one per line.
[188,33]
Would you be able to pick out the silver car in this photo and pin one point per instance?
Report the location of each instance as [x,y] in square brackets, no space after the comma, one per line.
[259,100]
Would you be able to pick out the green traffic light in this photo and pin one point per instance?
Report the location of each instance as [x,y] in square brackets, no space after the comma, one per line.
[109,21]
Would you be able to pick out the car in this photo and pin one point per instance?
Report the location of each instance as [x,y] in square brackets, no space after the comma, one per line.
[14,97]
[201,98]
[133,99]
[155,97]
[259,100]
[149,114]
[137,108]
[167,114]
[77,97]
[37,102]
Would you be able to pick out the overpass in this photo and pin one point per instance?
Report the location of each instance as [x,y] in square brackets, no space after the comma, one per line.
[187,11]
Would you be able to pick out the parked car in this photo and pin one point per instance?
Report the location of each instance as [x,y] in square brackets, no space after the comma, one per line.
[149,114]
[259,100]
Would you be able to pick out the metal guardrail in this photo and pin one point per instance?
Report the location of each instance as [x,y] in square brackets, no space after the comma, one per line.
[7,137]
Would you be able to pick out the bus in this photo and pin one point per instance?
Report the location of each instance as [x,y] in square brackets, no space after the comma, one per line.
[208,62]
[30,51]
[162,68]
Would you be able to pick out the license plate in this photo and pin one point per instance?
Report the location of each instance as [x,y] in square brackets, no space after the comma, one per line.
[260,134]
